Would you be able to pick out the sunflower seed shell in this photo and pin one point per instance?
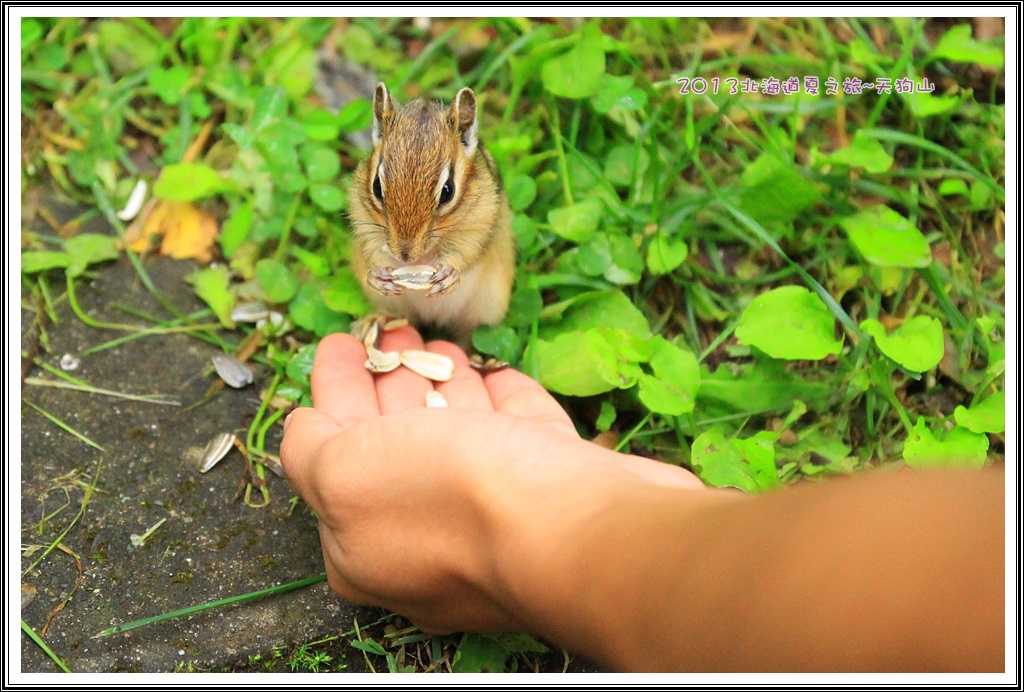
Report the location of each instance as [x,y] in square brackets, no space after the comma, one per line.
[233,371]
[433,366]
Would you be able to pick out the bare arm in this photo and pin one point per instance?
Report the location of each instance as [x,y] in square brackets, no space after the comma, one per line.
[493,515]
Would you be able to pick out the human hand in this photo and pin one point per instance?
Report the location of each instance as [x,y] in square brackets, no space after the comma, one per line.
[415,504]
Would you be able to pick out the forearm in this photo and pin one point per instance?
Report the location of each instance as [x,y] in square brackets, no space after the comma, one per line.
[883,572]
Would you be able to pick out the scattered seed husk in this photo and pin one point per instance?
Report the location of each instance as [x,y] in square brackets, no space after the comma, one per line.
[135,200]
[395,323]
[416,277]
[250,312]
[435,399]
[216,449]
[274,465]
[379,362]
[433,366]
[233,371]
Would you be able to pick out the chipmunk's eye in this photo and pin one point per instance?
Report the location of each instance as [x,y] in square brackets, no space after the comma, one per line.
[377,192]
[447,190]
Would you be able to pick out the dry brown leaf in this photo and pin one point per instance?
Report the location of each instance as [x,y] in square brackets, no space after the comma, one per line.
[188,232]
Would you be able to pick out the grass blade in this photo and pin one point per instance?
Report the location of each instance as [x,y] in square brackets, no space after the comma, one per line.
[42,645]
[64,426]
[231,600]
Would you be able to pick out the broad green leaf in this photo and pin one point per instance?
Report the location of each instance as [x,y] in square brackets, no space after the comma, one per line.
[242,136]
[525,305]
[863,152]
[720,464]
[314,262]
[522,190]
[31,31]
[301,365]
[576,74]
[887,239]
[622,165]
[499,341]
[618,92]
[278,282]
[169,84]
[356,116]
[627,263]
[789,322]
[186,182]
[236,229]
[126,48]
[588,363]
[672,390]
[321,125]
[953,186]
[606,416]
[958,45]
[327,196]
[478,653]
[916,344]
[774,191]
[925,104]
[293,66]
[41,260]
[212,285]
[308,310]
[321,163]
[269,109]
[986,416]
[758,388]
[344,294]
[665,253]
[595,255]
[960,448]
[759,452]
[89,248]
[577,222]
[600,309]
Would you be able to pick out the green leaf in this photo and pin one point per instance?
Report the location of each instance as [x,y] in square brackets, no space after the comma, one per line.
[863,152]
[665,253]
[212,285]
[588,363]
[301,365]
[953,186]
[525,305]
[986,416]
[958,45]
[522,190]
[595,255]
[917,344]
[774,191]
[606,417]
[618,92]
[600,309]
[499,341]
[327,196]
[321,125]
[31,31]
[720,464]
[479,653]
[308,310]
[577,73]
[789,322]
[925,104]
[356,116]
[185,182]
[344,294]
[759,452]
[293,66]
[758,388]
[169,84]
[672,390]
[577,222]
[242,136]
[960,448]
[278,282]
[236,229]
[321,163]
[887,239]
[622,165]
[89,248]
[42,260]
[270,107]
[627,264]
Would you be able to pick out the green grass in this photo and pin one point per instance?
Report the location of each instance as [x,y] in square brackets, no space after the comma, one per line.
[762,287]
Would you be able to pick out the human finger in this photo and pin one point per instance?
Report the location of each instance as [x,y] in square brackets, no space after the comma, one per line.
[401,389]
[466,389]
[306,431]
[342,386]
[519,395]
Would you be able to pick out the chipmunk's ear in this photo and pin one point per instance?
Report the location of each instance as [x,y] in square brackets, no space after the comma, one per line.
[464,114]
[383,109]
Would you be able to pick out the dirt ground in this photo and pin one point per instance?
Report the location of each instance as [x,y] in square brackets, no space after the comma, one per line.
[210,544]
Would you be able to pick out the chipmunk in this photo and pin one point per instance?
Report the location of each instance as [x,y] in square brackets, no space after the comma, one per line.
[431,223]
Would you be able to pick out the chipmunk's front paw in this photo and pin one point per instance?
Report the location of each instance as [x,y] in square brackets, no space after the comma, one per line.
[383,281]
[444,280]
